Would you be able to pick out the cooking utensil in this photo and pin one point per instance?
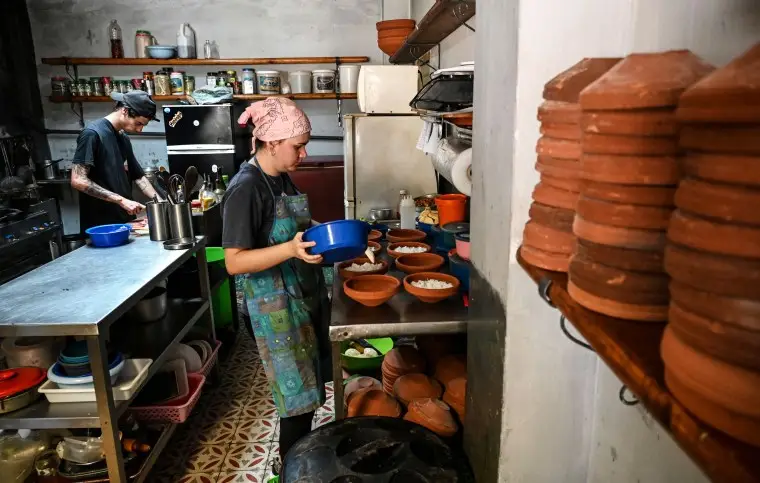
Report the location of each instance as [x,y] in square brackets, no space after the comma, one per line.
[176,190]
[18,387]
[10,183]
[181,221]
[109,235]
[191,180]
[379,214]
[152,307]
[179,243]
[338,241]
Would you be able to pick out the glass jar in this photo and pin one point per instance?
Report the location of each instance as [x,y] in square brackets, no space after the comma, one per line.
[86,87]
[143,39]
[108,87]
[97,86]
[221,79]
[148,82]
[211,79]
[249,82]
[59,86]
[189,84]
[162,84]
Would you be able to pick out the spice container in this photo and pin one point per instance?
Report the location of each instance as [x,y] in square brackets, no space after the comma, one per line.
[162,84]
[269,82]
[59,86]
[189,84]
[249,81]
[107,86]
[221,79]
[211,79]
[97,86]
[143,39]
[177,83]
[300,82]
[323,81]
[87,88]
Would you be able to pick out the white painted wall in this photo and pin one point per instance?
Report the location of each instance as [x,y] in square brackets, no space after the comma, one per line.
[562,417]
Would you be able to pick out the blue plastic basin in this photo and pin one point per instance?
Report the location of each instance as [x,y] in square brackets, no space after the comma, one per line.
[108,235]
[338,241]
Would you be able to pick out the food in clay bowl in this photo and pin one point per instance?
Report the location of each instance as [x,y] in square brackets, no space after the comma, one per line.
[405,248]
[371,290]
[431,287]
[362,266]
[375,236]
[396,235]
[419,262]
[375,246]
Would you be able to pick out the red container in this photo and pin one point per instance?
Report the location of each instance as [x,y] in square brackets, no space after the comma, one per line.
[451,208]
[178,410]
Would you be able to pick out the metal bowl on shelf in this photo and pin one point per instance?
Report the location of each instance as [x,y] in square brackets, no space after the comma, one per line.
[380,214]
[152,307]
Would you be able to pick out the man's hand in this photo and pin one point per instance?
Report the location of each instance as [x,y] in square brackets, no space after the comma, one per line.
[298,247]
[131,207]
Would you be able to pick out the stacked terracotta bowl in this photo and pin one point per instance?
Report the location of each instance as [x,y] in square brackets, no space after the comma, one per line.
[711,348]
[391,34]
[400,361]
[630,171]
[548,238]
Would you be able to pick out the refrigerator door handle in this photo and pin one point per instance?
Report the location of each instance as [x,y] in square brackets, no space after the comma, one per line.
[202,147]
[348,154]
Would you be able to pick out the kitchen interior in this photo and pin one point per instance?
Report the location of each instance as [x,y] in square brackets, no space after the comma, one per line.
[605,184]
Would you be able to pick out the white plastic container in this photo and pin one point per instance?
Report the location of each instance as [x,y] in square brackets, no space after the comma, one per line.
[349,78]
[323,81]
[132,376]
[186,42]
[269,81]
[300,82]
[408,213]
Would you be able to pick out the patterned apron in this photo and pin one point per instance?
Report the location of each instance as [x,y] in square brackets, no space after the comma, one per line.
[284,303]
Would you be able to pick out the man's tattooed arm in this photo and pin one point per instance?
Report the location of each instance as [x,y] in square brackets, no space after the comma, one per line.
[146,187]
[80,181]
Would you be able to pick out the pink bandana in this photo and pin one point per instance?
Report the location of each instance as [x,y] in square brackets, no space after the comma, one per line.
[275,118]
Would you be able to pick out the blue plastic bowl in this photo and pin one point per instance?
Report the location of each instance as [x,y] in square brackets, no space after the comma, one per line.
[338,241]
[460,268]
[162,51]
[108,235]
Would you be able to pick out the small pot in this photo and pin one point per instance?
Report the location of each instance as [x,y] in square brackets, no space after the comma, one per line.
[463,245]
[152,307]
[49,169]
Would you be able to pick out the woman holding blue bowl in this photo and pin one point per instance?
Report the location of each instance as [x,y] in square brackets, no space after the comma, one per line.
[285,292]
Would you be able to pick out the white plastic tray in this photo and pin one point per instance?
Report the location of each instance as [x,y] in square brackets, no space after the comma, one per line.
[132,376]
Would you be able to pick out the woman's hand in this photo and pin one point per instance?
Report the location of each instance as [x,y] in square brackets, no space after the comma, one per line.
[298,247]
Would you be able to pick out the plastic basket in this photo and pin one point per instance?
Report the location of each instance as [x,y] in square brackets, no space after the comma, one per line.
[206,369]
[177,412]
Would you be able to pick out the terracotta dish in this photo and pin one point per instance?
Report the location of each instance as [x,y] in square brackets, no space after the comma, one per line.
[399,23]
[375,235]
[645,80]
[558,167]
[619,279]
[419,262]
[556,218]
[623,214]
[558,198]
[643,313]
[715,237]
[630,145]
[722,168]
[346,274]
[730,94]
[433,414]
[602,288]
[631,194]
[397,32]
[450,367]
[567,85]
[405,359]
[455,396]
[619,237]
[396,235]
[409,387]
[640,170]
[393,246]
[568,132]
[731,204]
[436,347]
[724,396]
[547,238]
[565,184]
[559,112]
[650,261]
[555,262]
[373,402]
[649,122]
[558,148]
[358,383]
[744,313]
[431,296]
[741,140]
[376,247]
[390,45]
[371,290]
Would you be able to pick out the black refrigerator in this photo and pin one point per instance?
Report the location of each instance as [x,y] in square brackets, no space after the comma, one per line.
[206,135]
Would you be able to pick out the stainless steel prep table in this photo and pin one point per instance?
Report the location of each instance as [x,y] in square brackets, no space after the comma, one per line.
[82,294]
[402,315]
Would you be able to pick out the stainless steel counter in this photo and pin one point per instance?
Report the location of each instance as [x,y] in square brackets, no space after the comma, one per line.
[82,292]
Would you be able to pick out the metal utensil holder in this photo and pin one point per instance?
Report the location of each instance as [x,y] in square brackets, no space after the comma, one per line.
[181,221]
[158,220]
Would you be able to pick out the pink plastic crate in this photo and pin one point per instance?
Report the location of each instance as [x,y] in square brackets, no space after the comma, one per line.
[178,411]
[206,369]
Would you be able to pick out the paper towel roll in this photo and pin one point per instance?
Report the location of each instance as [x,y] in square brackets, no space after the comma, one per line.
[453,161]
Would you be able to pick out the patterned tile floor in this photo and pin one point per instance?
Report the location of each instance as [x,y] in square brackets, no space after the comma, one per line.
[232,434]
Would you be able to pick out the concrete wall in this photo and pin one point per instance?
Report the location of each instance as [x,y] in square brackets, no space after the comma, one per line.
[457,47]
[562,420]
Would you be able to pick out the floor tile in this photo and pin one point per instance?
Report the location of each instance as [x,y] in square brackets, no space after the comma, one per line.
[259,408]
[206,459]
[255,476]
[320,419]
[247,457]
[216,432]
[261,391]
[255,431]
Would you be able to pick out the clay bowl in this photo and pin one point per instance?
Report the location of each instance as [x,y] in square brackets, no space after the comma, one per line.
[399,235]
[419,262]
[375,246]
[434,415]
[409,387]
[454,396]
[394,246]
[450,367]
[346,274]
[435,347]
[390,45]
[399,32]
[375,235]
[357,384]
[373,402]
[428,295]
[404,359]
[371,290]
[399,23]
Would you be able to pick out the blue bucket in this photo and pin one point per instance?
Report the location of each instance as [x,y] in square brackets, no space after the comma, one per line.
[108,235]
[338,241]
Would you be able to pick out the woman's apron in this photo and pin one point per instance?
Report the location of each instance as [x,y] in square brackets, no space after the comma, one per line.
[285,303]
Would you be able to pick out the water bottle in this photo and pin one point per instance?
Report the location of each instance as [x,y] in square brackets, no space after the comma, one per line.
[117,47]
[207,50]
[408,213]
[186,42]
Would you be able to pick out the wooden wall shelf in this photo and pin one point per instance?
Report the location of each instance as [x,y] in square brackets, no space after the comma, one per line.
[632,351]
[248,61]
[443,18]
[252,97]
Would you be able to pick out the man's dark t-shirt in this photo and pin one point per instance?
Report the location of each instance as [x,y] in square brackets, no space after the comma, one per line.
[248,207]
[105,151]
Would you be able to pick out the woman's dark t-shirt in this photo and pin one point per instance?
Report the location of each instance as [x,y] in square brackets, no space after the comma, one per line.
[248,207]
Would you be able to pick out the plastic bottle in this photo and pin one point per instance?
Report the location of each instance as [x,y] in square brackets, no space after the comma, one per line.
[186,42]
[207,52]
[408,213]
[117,47]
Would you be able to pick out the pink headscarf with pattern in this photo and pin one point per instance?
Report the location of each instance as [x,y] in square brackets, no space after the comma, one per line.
[275,118]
